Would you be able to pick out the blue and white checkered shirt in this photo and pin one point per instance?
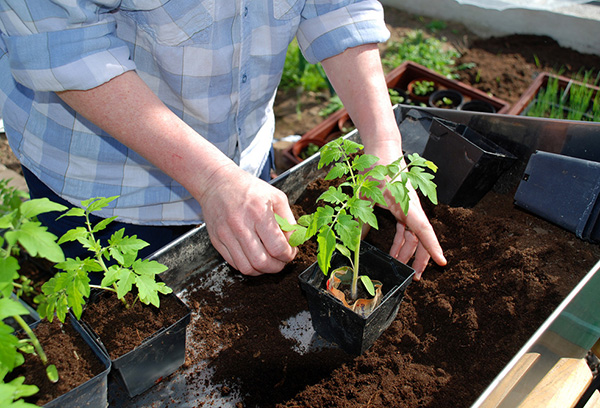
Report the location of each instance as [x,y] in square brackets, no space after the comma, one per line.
[216,64]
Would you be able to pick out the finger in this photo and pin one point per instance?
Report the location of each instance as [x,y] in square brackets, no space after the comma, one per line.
[409,247]
[420,262]
[398,240]
[276,242]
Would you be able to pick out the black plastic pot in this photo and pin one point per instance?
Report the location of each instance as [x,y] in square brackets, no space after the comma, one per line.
[335,322]
[436,99]
[92,393]
[476,105]
[158,356]
[468,163]
[563,190]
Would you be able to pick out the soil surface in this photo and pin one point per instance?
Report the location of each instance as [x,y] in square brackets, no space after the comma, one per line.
[65,348]
[121,329]
[456,328]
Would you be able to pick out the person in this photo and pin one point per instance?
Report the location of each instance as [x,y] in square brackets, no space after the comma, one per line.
[168,106]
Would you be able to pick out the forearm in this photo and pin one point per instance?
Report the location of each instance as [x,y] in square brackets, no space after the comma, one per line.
[358,78]
[130,112]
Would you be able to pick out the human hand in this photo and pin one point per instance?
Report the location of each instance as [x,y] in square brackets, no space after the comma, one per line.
[414,236]
[239,217]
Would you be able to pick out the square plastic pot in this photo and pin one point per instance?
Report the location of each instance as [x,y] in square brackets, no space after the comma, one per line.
[334,322]
[157,357]
[92,393]
[468,163]
[563,190]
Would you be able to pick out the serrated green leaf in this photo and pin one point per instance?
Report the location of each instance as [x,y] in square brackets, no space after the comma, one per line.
[298,237]
[73,234]
[350,147]
[33,208]
[10,307]
[97,203]
[423,181]
[147,267]
[74,212]
[364,162]
[400,194]
[110,276]
[371,189]
[9,271]
[103,224]
[284,224]
[338,170]
[347,229]
[326,242]
[12,392]
[334,196]
[6,221]
[9,356]
[363,210]
[125,282]
[323,216]
[378,172]
[38,242]
[147,290]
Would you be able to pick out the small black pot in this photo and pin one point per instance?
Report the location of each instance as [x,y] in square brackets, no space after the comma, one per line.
[92,393]
[476,105]
[454,96]
[158,356]
[335,322]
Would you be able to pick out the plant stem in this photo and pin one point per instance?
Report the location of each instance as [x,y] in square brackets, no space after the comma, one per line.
[33,338]
[354,286]
[100,260]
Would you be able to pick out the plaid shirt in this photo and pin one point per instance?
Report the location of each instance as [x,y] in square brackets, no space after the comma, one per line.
[214,64]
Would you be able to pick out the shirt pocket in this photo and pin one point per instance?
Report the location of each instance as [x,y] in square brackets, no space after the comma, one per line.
[287,9]
[172,22]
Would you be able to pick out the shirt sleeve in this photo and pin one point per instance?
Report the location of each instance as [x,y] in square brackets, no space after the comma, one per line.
[62,45]
[327,28]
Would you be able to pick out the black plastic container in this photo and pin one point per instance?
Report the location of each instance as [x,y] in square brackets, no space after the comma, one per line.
[436,99]
[563,190]
[92,393]
[476,105]
[468,163]
[334,322]
[157,357]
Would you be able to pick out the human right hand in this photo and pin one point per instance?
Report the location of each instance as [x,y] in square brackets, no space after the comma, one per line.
[239,215]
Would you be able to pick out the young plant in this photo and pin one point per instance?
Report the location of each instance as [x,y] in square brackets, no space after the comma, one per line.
[22,231]
[395,96]
[423,88]
[428,51]
[339,222]
[118,260]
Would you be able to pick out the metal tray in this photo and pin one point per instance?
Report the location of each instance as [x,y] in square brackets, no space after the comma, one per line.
[192,255]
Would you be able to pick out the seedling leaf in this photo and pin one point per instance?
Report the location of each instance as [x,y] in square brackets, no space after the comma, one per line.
[368,284]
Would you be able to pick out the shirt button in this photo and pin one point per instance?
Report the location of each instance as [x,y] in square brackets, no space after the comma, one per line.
[245,11]
[244,78]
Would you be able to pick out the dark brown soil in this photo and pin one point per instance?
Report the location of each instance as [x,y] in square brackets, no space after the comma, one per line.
[456,329]
[122,329]
[65,348]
